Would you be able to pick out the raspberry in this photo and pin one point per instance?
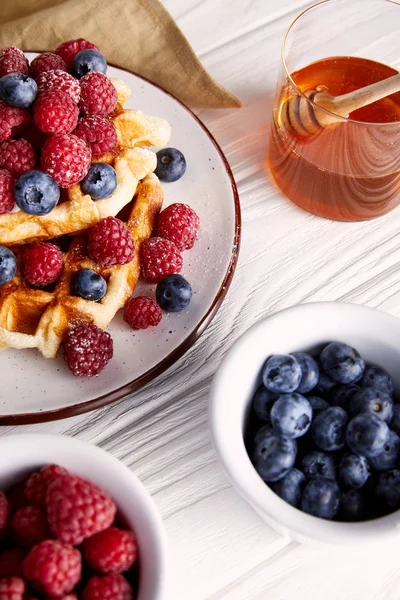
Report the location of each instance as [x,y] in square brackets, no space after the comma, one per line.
[12,588]
[99,132]
[47,61]
[12,51]
[29,526]
[53,568]
[4,510]
[141,312]
[69,49]
[159,259]
[110,242]
[108,587]
[17,156]
[61,81]
[42,264]
[87,350]
[13,62]
[39,481]
[111,551]
[179,224]
[76,508]
[12,119]
[98,95]
[11,562]
[6,191]
[55,112]
[16,496]
[66,158]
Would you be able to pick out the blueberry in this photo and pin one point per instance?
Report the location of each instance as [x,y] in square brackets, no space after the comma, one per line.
[372,401]
[291,415]
[318,464]
[342,363]
[8,265]
[262,403]
[289,487]
[353,470]
[274,455]
[100,181]
[309,372]
[342,394]
[329,429]
[174,293]
[89,285]
[395,422]
[261,433]
[388,488]
[325,386]
[281,374]
[36,193]
[18,90]
[377,378]
[86,61]
[321,498]
[352,507]
[171,165]
[387,459]
[317,404]
[367,435]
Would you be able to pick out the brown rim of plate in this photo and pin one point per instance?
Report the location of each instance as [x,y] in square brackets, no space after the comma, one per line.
[139,382]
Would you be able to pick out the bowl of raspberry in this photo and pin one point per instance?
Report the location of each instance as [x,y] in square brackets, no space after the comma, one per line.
[305,418]
[75,523]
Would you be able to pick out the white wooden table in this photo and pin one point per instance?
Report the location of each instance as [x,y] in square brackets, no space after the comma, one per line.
[219,548]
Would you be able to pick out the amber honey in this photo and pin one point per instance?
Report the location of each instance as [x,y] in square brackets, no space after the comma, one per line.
[348,171]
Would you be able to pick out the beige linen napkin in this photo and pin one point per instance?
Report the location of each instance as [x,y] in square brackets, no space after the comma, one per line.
[139,35]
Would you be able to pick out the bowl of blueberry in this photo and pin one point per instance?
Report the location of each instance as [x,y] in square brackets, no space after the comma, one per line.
[305,418]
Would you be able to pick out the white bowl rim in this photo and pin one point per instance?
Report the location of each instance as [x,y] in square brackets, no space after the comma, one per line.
[240,470]
[131,483]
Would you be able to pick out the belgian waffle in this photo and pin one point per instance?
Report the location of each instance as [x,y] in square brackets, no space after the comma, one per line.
[31,318]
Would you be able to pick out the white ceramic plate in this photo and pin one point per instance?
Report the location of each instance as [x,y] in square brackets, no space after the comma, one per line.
[35,389]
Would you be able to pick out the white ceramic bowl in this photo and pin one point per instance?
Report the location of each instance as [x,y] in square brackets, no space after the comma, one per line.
[22,453]
[377,337]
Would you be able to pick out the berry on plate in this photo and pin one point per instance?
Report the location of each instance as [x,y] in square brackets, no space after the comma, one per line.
[42,264]
[12,588]
[99,132]
[11,562]
[377,378]
[309,372]
[142,312]
[87,350]
[352,505]
[353,470]
[17,156]
[78,509]
[329,429]
[317,404]
[66,158]
[100,181]
[367,434]
[36,193]
[4,510]
[86,61]
[60,81]
[171,165]
[7,200]
[342,395]
[98,95]
[12,119]
[291,415]
[13,60]
[318,464]
[388,488]
[8,265]
[325,386]
[262,403]
[29,526]
[342,363]
[372,401]
[35,488]
[281,374]
[274,455]
[88,284]
[321,498]
[389,457]
[53,568]
[55,112]
[110,243]
[111,551]
[108,587]
[174,293]
[289,488]
[18,90]
[179,224]
[68,50]
[47,61]
[159,258]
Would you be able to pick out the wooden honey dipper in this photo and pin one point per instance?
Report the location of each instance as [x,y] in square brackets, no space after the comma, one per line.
[305,118]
